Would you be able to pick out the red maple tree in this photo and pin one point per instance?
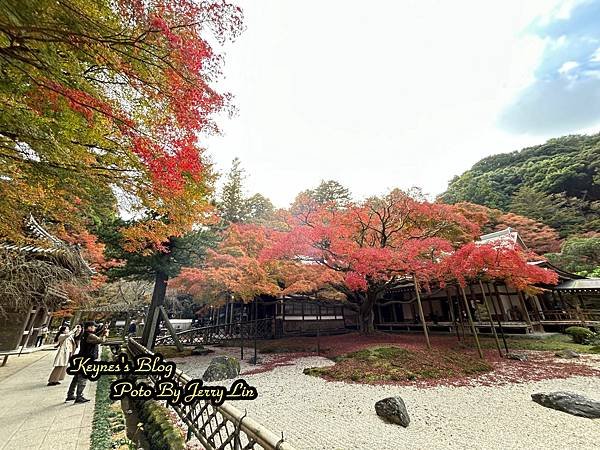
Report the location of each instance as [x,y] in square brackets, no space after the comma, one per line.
[374,243]
[495,262]
[234,268]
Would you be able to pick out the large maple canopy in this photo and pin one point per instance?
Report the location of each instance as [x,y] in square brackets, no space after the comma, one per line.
[358,250]
[375,241]
[235,269]
[109,96]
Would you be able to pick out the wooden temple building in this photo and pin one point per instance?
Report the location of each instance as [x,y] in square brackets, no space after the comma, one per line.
[575,300]
[19,327]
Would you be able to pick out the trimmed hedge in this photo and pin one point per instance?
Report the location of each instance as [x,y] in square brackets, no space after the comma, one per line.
[108,424]
[580,335]
[160,431]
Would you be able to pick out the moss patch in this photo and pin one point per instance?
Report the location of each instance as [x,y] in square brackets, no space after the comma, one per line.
[385,364]
[172,352]
[158,427]
[108,425]
[551,344]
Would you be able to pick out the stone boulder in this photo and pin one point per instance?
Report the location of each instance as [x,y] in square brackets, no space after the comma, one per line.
[393,410]
[517,356]
[568,354]
[568,402]
[222,368]
[201,350]
[258,360]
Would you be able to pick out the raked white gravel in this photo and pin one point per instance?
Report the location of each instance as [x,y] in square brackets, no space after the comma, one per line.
[316,414]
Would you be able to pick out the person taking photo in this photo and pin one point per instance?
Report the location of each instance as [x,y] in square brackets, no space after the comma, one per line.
[88,347]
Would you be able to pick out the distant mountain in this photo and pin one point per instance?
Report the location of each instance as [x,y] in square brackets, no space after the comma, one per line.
[557,183]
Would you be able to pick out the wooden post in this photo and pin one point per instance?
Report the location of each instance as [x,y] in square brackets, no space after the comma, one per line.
[451,310]
[319,331]
[460,314]
[255,326]
[421,311]
[487,308]
[152,331]
[464,296]
[178,343]
[33,319]
[499,315]
[524,308]
[578,306]
[241,339]
[127,318]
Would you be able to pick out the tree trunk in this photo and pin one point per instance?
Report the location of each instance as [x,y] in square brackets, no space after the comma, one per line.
[158,299]
[366,315]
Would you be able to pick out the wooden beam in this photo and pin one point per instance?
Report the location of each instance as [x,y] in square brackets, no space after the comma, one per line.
[178,343]
[524,308]
[500,316]
[151,333]
[423,323]
[451,311]
[464,296]
[487,308]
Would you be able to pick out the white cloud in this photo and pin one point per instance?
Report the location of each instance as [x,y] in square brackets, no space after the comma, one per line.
[393,94]
[567,67]
[596,56]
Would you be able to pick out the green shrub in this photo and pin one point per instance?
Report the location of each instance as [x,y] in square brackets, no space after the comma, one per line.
[580,335]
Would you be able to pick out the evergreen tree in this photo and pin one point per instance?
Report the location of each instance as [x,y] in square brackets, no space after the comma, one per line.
[233,204]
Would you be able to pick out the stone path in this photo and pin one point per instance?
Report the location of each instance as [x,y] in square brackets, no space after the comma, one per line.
[33,415]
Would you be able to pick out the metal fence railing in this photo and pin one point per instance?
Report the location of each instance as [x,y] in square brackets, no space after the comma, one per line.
[222,427]
[213,334]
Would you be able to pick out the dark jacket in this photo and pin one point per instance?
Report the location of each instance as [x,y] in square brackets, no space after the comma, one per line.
[89,345]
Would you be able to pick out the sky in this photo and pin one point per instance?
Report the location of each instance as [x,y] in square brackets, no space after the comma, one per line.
[386,94]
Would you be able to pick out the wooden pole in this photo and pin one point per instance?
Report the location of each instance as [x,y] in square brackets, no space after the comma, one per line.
[255,327]
[319,332]
[464,296]
[451,310]
[500,315]
[241,339]
[487,308]
[524,307]
[33,319]
[423,323]
[460,315]
[126,326]
[178,343]
[152,331]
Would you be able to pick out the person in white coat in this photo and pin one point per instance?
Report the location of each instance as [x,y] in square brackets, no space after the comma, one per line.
[66,346]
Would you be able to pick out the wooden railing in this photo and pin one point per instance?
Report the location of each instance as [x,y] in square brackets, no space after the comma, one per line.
[221,427]
[564,315]
[214,334]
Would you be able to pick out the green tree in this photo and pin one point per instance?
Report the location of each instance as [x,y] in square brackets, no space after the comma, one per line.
[233,204]
[260,209]
[188,250]
[331,191]
[556,210]
[104,94]
[557,183]
[578,254]
[235,207]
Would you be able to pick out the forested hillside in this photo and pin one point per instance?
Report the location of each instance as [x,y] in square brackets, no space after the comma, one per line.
[556,184]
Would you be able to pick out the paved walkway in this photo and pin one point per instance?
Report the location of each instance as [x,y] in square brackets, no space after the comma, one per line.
[33,415]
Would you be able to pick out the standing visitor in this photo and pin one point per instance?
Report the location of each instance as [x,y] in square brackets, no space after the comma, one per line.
[132,328]
[88,348]
[66,347]
[42,336]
